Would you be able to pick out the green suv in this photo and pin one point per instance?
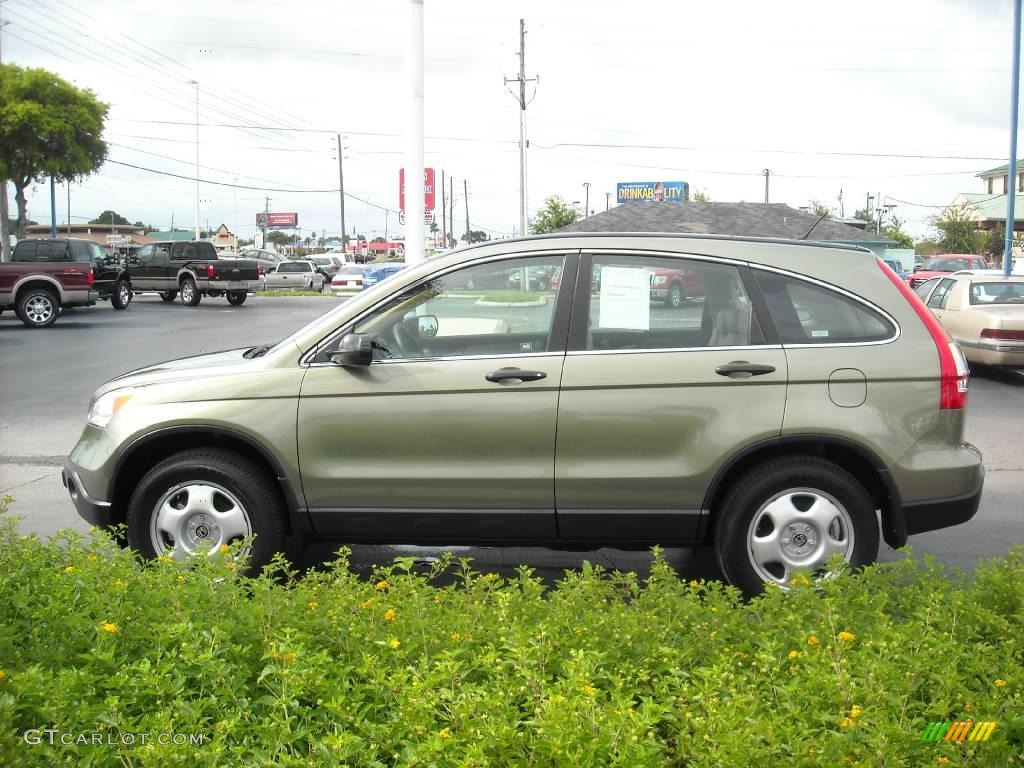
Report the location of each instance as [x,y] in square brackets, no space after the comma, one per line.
[804,404]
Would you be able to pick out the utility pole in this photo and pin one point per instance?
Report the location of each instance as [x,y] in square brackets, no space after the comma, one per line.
[69,206]
[521,98]
[767,173]
[1011,193]
[5,214]
[465,192]
[53,207]
[266,219]
[414,171]
[878,214]
[586,199]
[451,209]
[607,200]
[341,194]
[444,215]
[196,84]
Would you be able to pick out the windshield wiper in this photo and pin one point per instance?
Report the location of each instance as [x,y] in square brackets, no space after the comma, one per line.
[259,351]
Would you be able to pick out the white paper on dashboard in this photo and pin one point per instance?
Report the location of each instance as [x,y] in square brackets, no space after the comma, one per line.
[625,298]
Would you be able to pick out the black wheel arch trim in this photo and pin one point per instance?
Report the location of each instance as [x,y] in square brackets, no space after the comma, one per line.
[294,508]
[894,526]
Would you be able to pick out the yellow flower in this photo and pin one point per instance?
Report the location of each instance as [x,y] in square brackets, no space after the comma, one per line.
[813,640]
[231,564]
[389,614]
[119,584]
[800,580]
[381,586]
[856,711]
[943,760]
[846,722]
[69,569]
[490,576]
[394,643]
[847,637]
[110,627]
[224,549]
[312,605]
[455,636]
[794,654]
[444,733]
[590,690]
[999,683]
[694,583]
[2,674]
[366,604]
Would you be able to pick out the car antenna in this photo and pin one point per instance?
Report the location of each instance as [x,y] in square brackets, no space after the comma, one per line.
[814,225]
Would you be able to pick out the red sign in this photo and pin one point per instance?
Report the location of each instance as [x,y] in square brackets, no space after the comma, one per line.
[278,219]
[428,189]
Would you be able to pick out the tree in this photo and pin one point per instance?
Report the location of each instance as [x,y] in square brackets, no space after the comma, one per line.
[555,214]
[48,127]
[819,209]
[956,225]
[894,231]
[865,214]
[111,217]
[280,238]
[700,197]
[475,236]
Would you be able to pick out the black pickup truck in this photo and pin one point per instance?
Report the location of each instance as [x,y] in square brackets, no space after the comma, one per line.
[191,268]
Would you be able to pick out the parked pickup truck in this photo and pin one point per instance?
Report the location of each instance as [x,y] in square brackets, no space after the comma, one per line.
[47,275]
[191,269]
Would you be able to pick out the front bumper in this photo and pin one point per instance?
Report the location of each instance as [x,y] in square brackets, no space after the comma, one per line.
[93,511]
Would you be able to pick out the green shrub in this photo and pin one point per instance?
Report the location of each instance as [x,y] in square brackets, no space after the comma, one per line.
[602,669]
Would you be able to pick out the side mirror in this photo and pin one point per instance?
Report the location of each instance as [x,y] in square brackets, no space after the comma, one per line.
[426,327]
[355,349]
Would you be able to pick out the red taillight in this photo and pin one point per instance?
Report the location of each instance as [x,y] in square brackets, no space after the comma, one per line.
[953,370]
[999,333]
[91,277]
[209,270]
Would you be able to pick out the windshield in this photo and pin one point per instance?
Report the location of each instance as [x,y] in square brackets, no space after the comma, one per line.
[946,265]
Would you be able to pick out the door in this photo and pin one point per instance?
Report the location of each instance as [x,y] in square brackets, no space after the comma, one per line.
[152,271]
[449,434]
[658,390]
[939,297]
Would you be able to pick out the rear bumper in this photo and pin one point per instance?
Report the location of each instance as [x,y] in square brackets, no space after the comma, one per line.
[93,511]
[933,514]
[250,286]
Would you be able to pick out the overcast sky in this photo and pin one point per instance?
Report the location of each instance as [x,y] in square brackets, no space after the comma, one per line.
[708,93]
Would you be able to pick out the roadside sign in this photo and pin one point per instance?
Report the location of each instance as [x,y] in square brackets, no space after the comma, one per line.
[428,217]
[428,189]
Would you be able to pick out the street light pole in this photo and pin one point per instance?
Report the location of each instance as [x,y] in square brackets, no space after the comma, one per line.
[1011,192]
[586,198]
[196,84]
[5,237]
[341,193]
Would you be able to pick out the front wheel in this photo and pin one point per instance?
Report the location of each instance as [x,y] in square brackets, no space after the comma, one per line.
[37,307]
[190,295]
[675,297]
[168,296]
[122,295]
[237,298]
[793,514]
[199,500]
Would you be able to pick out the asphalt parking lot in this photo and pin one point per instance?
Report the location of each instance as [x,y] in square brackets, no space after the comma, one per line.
[48,375]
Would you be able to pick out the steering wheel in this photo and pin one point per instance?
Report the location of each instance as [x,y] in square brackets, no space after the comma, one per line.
[380,344]
[406,341]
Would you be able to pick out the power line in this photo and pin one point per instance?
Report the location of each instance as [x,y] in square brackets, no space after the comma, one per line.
[763,151]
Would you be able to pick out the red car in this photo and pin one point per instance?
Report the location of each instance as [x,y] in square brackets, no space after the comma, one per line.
[943,265]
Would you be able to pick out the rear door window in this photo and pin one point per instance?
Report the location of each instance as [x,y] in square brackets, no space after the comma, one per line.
[25,251]
[52,250]
[807,313]
[81,251]
[940,295]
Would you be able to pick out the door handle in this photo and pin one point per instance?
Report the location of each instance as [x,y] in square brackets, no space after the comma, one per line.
[741,369]
[507,374]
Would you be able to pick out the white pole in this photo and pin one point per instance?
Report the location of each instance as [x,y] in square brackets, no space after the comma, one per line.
[196,84]
[414,213]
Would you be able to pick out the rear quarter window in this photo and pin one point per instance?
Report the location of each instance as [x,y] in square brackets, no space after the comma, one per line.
[24,251]
[807,313]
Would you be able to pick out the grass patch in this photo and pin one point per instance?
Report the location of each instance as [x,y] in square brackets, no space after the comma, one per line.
[603,669]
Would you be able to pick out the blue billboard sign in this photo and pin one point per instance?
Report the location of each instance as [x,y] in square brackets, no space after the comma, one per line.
[652,191]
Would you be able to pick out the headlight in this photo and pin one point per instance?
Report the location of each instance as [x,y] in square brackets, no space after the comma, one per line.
[659,280]
[103,410]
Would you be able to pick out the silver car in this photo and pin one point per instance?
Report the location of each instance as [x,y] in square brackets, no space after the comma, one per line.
[267,260]
[302,275]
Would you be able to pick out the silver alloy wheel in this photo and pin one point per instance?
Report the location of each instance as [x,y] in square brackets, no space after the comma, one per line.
[187,292]
[124,293]
[39,308]
[197,514]
[798,530]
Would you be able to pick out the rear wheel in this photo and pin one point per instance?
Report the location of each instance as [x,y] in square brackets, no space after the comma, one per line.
[190,295]
[237,298]
[168,296]
[790,515]
[122,295]
[38,307]
[197,501]
[675,297]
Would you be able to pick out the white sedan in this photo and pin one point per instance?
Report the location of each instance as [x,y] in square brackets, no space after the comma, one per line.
[301,275]
[348,279]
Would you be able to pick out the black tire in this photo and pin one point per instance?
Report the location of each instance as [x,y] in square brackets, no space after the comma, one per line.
[190,295]
[237,298]
[766,482]
[37,307]
[676,297]
[259,499]
[168,296]
[122,295]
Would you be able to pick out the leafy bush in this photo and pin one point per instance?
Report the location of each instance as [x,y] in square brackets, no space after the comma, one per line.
[331,669]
